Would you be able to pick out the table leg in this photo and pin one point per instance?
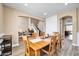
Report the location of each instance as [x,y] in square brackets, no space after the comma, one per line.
[37,52]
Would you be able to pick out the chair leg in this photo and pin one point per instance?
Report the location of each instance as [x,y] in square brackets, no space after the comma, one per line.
[25,54]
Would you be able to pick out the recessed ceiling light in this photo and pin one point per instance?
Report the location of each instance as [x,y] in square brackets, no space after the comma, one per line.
[44,13]
[66,3]
[26,4]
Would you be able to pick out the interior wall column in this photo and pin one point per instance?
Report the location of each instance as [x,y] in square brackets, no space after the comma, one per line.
[29,22]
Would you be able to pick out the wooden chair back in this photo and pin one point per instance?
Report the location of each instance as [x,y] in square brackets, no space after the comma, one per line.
[58,44]
[42,35]
[34,35]
[26,45]
[51,48]
[52,45]
[58,38]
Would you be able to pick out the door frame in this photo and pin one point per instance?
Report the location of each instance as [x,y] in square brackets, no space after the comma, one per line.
[74,28]
[62,27]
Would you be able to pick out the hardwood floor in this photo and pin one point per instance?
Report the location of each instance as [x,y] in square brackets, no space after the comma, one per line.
[19,50]
[67,49]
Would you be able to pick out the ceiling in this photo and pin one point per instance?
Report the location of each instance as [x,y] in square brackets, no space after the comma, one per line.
[37,9]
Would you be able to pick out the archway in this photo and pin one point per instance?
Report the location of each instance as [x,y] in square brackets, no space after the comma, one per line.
[66,31]
[65,22]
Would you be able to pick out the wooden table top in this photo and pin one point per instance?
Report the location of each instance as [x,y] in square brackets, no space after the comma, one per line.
[40,44]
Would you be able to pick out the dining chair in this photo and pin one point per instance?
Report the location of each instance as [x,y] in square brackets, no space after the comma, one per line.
[28,50]
[58,44]
[58,35]
[42,35]
[26,45]
[34,35]
[58,41]
[50,50]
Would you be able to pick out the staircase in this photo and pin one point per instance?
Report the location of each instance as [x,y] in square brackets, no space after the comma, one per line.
[39,30]
[36,29]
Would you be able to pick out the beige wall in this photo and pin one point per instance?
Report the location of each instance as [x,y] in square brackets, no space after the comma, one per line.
[34,21]
[1,19]
[39,23]
[51,24]
[23,24]
[74,20]
[78,18]
[42,26]
[11,22]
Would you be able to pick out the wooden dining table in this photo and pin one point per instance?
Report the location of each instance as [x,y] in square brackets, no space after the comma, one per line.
[39,44]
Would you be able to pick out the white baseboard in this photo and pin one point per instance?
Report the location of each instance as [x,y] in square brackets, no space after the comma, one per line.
[14,45]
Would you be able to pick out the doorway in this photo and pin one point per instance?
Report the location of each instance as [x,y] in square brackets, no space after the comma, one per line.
[66,31]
